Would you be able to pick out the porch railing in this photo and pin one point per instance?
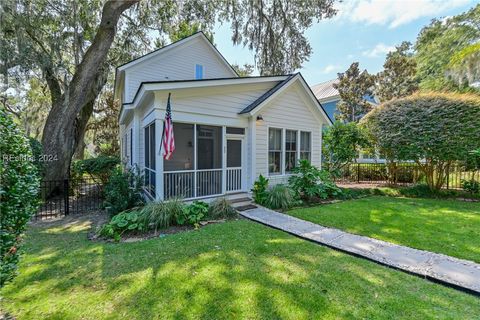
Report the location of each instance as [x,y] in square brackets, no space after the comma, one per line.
[190,184]
[234,179]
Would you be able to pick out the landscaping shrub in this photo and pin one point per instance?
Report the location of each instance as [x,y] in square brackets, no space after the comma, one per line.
[260,190]
[471,186]
[432,129]
[121,223]
[308,182]
[123,190]
[18,193]
[99,168]
[193,214]
[37,152]
[221,208]
[161,214]
[280,197]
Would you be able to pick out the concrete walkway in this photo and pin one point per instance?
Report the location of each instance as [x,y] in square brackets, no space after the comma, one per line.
[455,272]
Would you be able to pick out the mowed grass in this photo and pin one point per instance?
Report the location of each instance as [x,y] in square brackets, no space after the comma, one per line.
[451,227]
[232,270]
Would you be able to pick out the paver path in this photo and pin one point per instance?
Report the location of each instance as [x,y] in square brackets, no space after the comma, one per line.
[438,267]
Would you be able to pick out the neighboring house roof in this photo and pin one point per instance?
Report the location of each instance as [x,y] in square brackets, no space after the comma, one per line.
[325,90]
[266,95]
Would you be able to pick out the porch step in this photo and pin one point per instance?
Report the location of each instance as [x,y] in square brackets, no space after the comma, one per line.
[246,207]
[236,200]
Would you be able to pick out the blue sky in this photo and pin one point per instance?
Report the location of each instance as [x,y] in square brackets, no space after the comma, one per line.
[362,31]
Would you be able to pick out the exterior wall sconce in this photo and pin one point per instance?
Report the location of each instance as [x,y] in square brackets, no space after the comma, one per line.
[259,117]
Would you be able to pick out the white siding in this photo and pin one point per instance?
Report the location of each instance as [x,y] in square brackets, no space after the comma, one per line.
[177,64]
[287,111]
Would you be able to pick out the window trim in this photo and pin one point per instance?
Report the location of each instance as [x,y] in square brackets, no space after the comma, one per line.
[283,173]
[203,71]
[282,150]
[310,143]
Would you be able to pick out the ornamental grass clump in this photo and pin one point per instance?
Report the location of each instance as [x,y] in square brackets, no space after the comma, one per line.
[221,209]
[280,197]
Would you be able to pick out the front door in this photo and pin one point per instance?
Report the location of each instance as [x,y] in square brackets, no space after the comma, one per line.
[234,165]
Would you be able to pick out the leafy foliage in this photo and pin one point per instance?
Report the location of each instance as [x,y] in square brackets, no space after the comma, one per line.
[341,144]
[353,87]
[123,190]
[193,214]
[161,214]
[260,190]
[99,168]
[309,182]
[221,208]
[398,78]
[280,197]
[443,54]
[37,152]
[436,127]
[243,71]
[123,222]
[18,193]
[471,186]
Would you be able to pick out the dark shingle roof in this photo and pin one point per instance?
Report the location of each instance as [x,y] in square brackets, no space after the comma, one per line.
[267,94]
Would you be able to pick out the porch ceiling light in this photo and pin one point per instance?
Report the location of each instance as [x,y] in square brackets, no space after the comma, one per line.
[259,117]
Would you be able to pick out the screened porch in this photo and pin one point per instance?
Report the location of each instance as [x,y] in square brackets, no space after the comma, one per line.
[207,161]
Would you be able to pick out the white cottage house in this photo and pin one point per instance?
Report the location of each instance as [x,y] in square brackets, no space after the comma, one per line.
[228,129]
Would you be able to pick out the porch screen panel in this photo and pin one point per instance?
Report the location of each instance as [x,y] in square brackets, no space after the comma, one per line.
[179,177]
[274,151]
[183,156]
[150,169]
[209,160]
[290,150]
[305,146]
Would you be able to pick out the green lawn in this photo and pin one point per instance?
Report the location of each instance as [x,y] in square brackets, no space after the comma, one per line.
[450,227]
[232,270]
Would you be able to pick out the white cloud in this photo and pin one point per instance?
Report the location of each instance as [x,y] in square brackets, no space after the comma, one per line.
[330,68]
[395,13]
[379,50]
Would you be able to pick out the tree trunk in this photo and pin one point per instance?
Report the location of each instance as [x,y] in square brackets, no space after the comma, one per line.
[80,129]
[61,128]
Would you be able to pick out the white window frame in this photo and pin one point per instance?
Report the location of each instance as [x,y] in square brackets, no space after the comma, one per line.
[310,143]
[283,150]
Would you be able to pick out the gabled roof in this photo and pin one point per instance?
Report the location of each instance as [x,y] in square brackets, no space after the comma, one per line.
[325,89]
[266,95]
[263,100]
[170,46]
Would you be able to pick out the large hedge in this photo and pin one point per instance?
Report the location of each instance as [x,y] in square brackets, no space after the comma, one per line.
[18,193]
[434,129]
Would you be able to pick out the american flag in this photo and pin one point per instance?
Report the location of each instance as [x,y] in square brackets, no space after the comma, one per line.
[168,141]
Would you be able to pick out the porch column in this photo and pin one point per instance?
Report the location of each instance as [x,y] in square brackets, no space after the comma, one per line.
[158,160]
[136,138]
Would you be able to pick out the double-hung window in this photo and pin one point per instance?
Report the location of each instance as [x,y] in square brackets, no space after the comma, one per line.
[290,150]
[274,151]
[305,146]
[150,170]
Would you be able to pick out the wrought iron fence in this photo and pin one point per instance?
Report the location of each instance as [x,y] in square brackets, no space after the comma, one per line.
[405,174]
[69,196]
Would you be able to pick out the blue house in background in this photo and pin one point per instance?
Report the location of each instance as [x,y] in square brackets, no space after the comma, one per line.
[329,97]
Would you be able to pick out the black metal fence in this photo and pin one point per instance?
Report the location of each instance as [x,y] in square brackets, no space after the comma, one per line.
[69,196]
[405,174]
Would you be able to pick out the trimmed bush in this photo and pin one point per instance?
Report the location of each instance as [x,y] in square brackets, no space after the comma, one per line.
[433,129]
[18,193]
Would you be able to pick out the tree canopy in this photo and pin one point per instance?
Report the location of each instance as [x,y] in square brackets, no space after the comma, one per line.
[73,45]
[354,86]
